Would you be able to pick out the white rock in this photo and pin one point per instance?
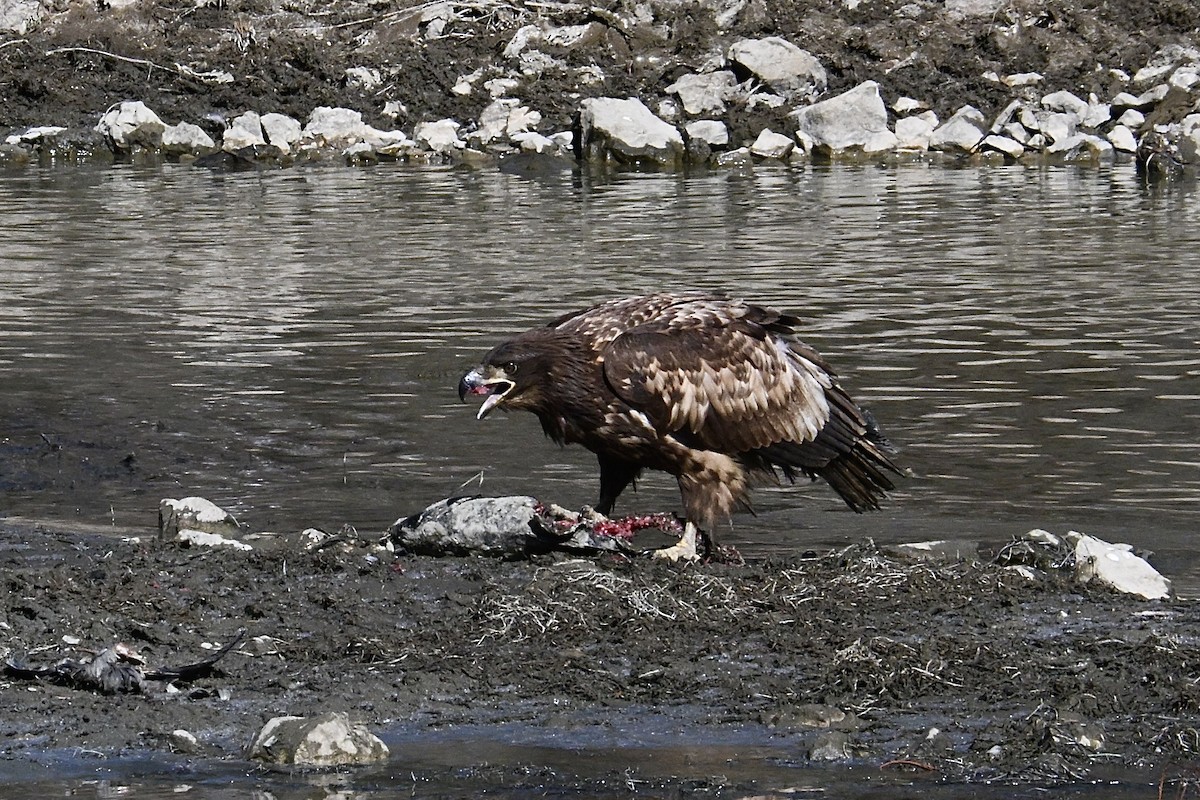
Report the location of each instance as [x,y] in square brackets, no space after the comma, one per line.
[498,87]
[1185,78]
[366,78]
[524,35]
[35,134]
[913,133]
[1057,126]
[334,127]
[1016,131]
[1097,114]
[572,35]
[329,740]
[772,145]
[1164,62]
[974,8]
[281,130]
[1006,115]
[627,130]
[963,131]
[1022,79]
[783,66]
[18,16]
[435,18]
[131,123]
[1081,144]
[1132,119]
[1067,103]
[244,131]
[1126,100]
[564,36]
[341,127]
[1043,537]
[1003,144]
[1116,566]
[186,138]
[184,741]
[194,513]
[205,539]
[907,105]
[1152,97]
[1122,139]
[534,142]
[440,136]
[854,119]
[702,94]
[493,120]
[710,131]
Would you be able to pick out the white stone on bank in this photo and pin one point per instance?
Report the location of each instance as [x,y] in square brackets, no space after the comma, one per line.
[1116,566]
[856,119]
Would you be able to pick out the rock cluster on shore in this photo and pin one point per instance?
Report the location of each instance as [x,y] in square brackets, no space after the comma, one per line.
[747,99]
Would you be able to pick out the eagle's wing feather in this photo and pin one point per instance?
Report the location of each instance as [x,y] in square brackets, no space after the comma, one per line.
[722,383]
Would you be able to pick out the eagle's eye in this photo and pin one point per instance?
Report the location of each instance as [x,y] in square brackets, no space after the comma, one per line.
[510,367]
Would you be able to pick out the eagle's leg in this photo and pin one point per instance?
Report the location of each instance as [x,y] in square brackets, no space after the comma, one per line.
[615,476]
[685,548]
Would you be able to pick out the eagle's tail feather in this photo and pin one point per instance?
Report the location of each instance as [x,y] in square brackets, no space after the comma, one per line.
[850,453]
[858,477]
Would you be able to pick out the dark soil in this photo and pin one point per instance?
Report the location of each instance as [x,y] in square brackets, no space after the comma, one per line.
[1026,679]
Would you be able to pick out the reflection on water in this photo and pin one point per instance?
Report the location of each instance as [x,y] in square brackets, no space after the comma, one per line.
[288,343]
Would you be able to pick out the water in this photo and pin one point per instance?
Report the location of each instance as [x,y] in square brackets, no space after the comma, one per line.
[288,343]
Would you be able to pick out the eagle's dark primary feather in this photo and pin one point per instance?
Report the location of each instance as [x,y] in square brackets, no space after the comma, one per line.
[717,392]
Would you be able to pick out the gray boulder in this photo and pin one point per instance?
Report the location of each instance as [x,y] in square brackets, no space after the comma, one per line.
[131,123]
[781,65]
[186,138]
[705,94]
[244,131]
[626,131]
[856,119]
[330,740]
[963,131]
[18,16]
[1116,566]
[194,514]
[496,526]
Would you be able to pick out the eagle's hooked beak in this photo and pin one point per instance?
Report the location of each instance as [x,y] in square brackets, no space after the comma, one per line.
[496,387]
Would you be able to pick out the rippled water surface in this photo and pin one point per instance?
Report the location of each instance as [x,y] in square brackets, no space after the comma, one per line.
[288,343]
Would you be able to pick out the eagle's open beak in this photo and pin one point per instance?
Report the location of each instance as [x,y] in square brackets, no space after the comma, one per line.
[496,388]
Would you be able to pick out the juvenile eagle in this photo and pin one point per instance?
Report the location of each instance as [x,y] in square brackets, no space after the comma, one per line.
[717,392]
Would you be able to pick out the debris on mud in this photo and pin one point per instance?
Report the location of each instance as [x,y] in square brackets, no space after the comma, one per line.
[115,669]
[517,527]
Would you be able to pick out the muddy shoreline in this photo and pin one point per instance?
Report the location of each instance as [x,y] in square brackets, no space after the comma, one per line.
[843,658]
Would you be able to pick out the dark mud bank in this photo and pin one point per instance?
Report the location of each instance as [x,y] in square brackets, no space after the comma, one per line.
[960,671]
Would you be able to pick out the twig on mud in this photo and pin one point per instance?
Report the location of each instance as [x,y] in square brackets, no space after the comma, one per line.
[908,762]
[141,62]
[14,41]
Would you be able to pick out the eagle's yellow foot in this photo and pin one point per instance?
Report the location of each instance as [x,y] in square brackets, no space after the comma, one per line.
[684,549]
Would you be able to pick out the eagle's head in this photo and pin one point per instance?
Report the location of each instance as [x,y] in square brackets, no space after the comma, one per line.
[512,376]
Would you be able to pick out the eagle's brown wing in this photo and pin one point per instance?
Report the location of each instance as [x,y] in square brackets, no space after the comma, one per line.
[719,382]
[602,323]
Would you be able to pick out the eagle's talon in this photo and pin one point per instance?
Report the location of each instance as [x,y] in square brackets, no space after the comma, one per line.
[683,550]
